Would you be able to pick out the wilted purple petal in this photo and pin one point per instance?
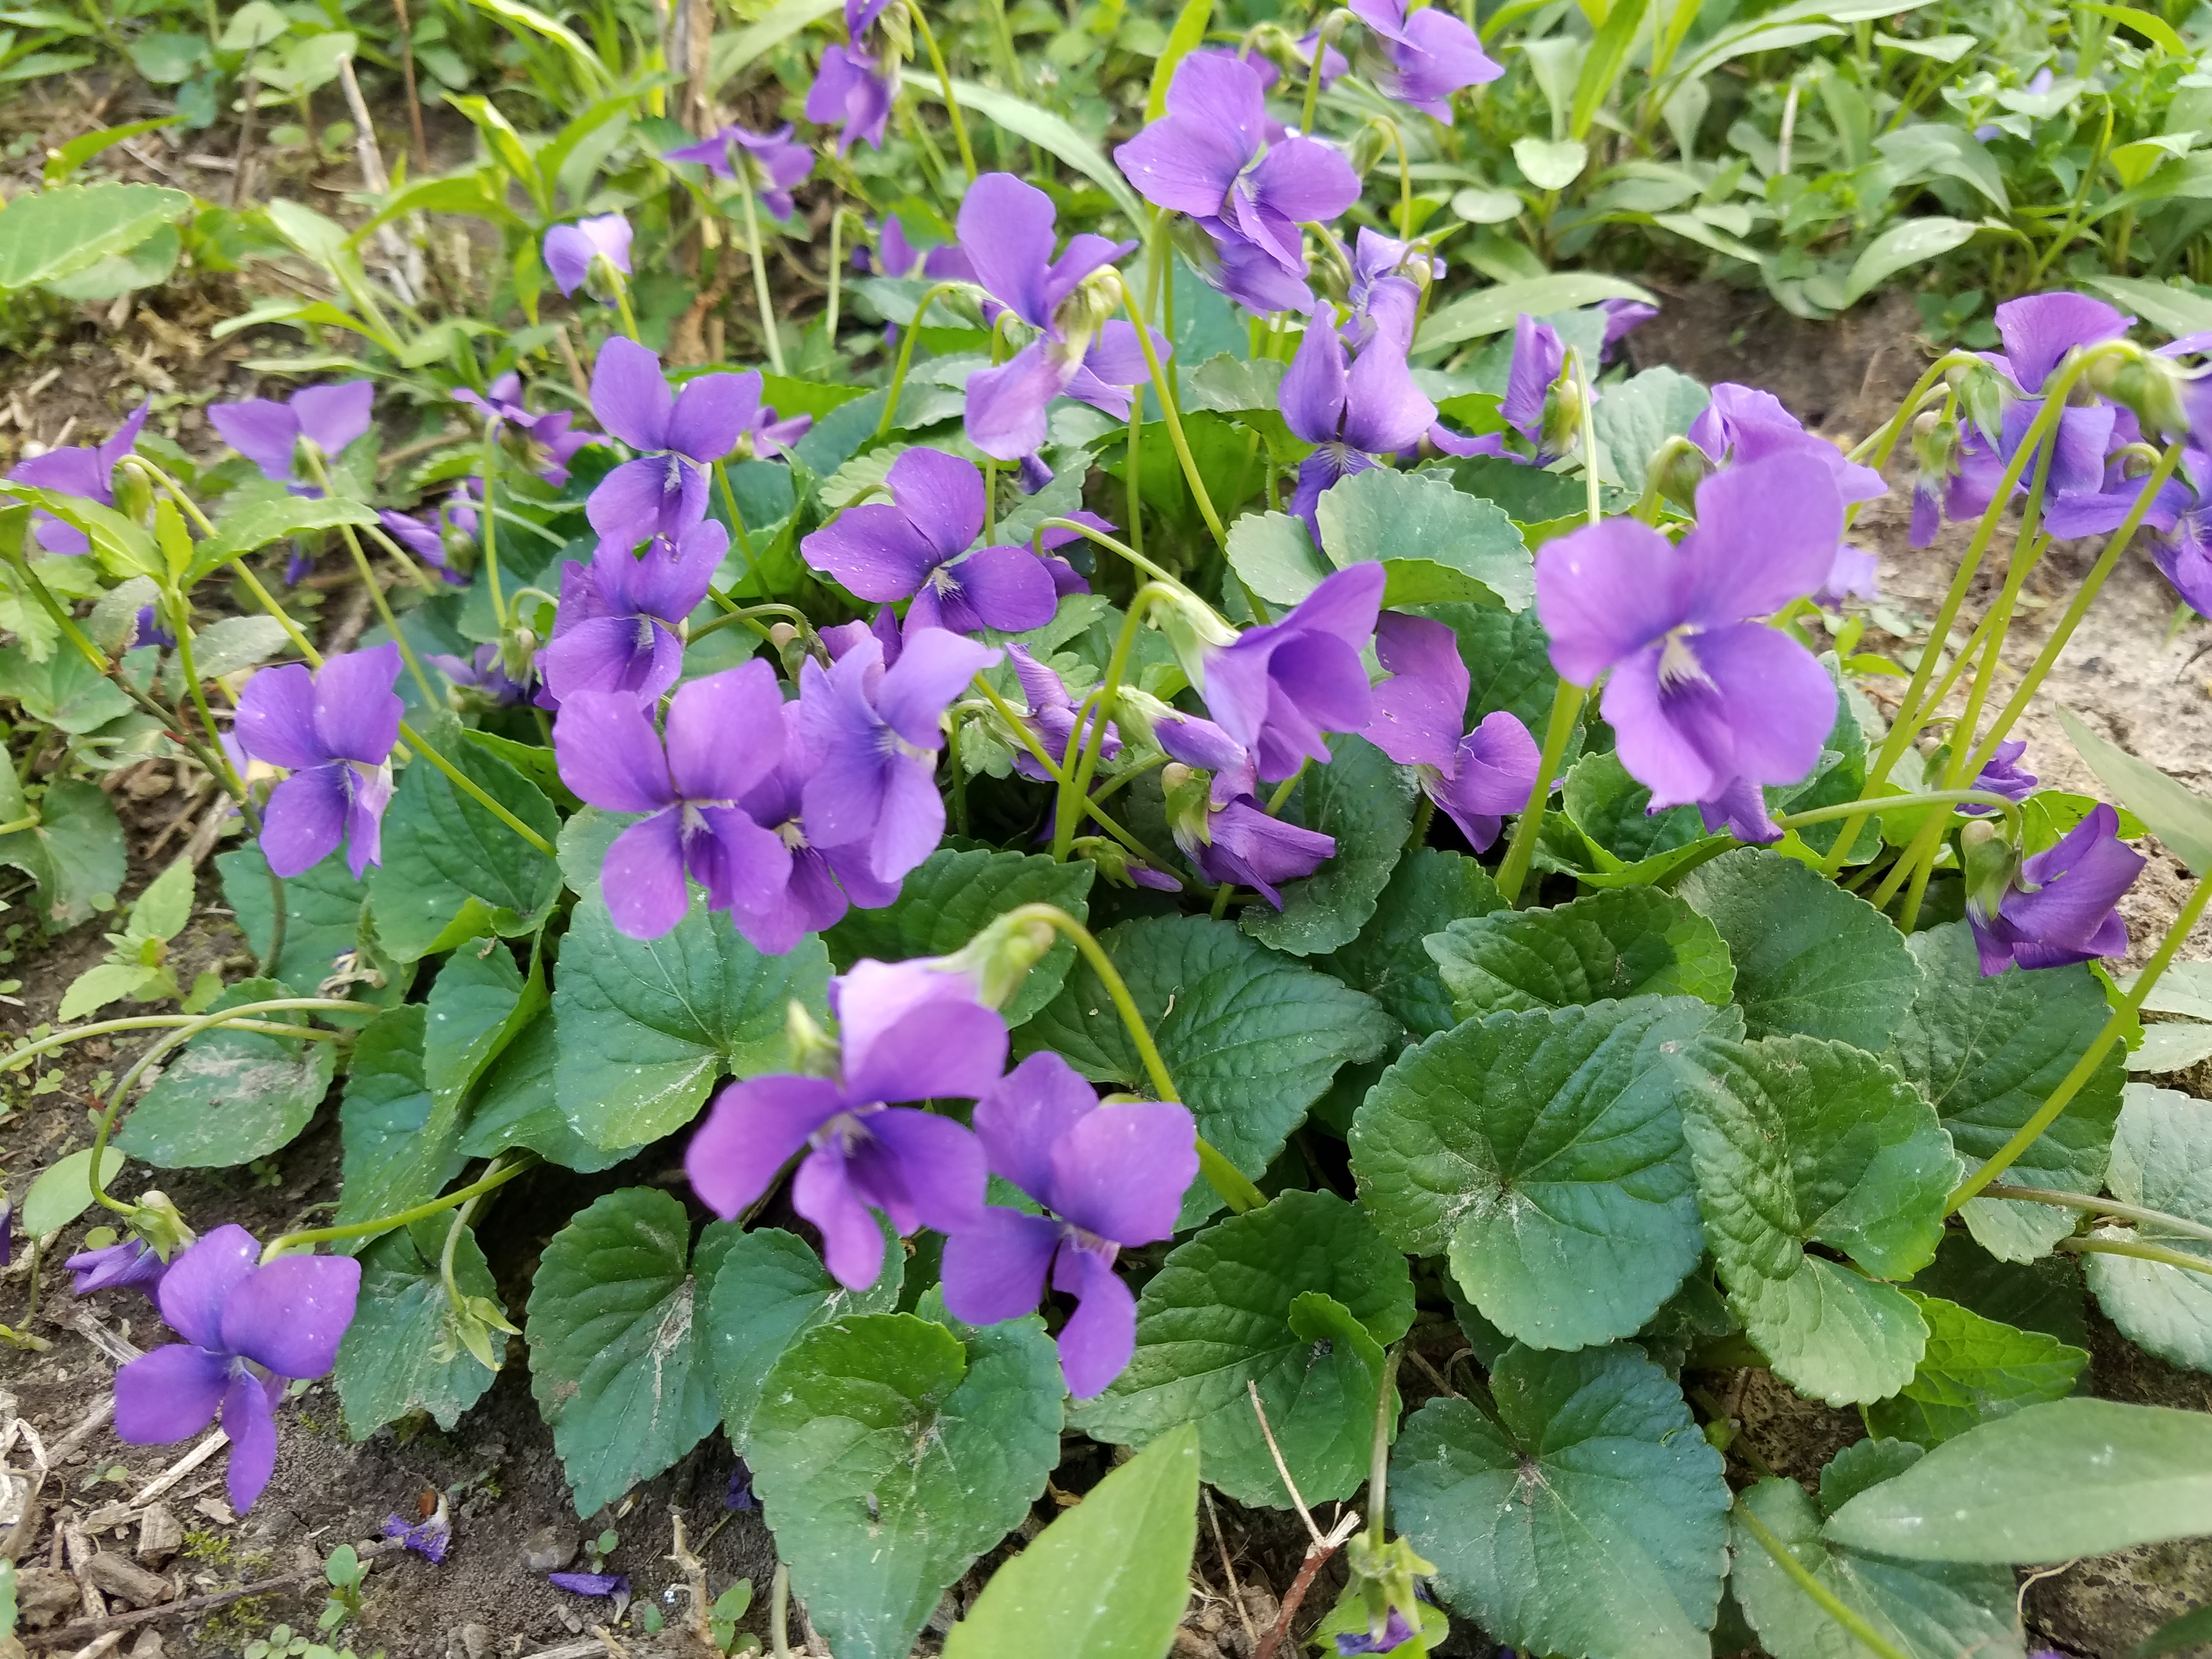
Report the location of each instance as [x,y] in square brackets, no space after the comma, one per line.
[590,1583]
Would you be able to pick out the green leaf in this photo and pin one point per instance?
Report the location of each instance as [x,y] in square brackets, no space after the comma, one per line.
[1629,942]
[770,1290]
[1493,310]
[1631,845]
[645,1026]
[1800,1141]
[1042,128]
[1924,1610]
[1436,542]
[1635,418]
[950,898]
[1549,163]
[2043,1296]
[1591,1519]
[480,1004]
[2178,816]
[64,691]
[517,1107]
[591,74]
[2161,1160]
[617,1355]
[323,925]
[451,870]
[75,853]
[1809,957]
[1429,891]
[122,546]
[1987,1053]
[1908,242]
[732,52]
[273,519]
[1543,1150]
[62,1191]
[402,1140]
[2076,1477]
[389,1364]
[161,911]
[1947,151]
[56,232]
[110,982]
[2191,1630]
[1251,1038]
[1364,801]
[888,1457]
[1974,1370]
[1602,69]
[2177,311]
[1272,555]
[1127,1544]
[230,1097]
[1299,1298]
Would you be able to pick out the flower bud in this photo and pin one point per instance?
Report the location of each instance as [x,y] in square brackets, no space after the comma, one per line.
[1192,629]
[134,489]
[1137,713]
[1189,804]
[814,1052]
[2144,382]
[999,957]
[1096,298]
[1991,865]
[1677,469]
[1368,148]
[158,1221]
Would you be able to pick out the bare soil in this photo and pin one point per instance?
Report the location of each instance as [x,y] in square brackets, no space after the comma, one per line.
[511,1510]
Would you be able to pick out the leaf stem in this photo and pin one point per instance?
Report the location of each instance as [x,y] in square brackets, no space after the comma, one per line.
[1520,852]
[768,336]
[907,337]
[2140,1252]
[498,1176]
[1165,393]
[1226,1179]
[2082,1202]
[2084,1068]
[469,787]
[1826,1598]
[944,85]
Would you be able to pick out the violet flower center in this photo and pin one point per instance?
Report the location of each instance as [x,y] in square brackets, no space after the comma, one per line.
[1678,663]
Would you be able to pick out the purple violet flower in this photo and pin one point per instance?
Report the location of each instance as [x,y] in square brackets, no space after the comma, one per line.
[608,753]
[2059,907]
[909,1032]
[84,470]
[775,164]
[2039,330]
[129,1263]
[1108,1177]
[424,541]
[1239,843]
[1702,700]
[1432,54]
[1741,424]
[1478,777]
[428,1537]
[618,625]
[1007,232]
[333,730]
[268,433]
[823,883]
[913,545]
[1353,414]
[1622,319]
[853,90]
[740,1493]
[146,630]
[554,442]
[572,250]
[2183,553]
[1280,687]
[484,672]
[246,1329]
[500,403]
[1051,716]
[1208,157]
[1333,67]
[590,1583]
[678,436]
[874,734]
[1397,1631]
[2004,775]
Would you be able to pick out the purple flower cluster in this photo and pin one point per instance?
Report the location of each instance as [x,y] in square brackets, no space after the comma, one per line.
[246,1330]
[857,83]
[772,164]
[1106,1177]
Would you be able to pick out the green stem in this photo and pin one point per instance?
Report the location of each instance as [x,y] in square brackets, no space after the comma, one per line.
[29,1052]
[621,303]
[1166,393]
[469,787]
[490,536]
[405,560]
[499,1176]
[737,522]
[60,617]
[2075,609]
[430,698]
[1520,852]
[1089,737]
[2195,1264]
[1825,1598]
[2101,1206]
[2086,1067]
[1914,711]
[944,85]
[1929,798]
[1332,26]
[768,336]
[1237,1190]
[1878,448]
[1136,559]
[907,337]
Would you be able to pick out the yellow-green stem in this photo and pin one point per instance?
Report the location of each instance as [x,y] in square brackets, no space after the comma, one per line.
[499,1176]
[1165,393]
[907,337]
[2195,1264]
[944,85]
[769,339]
[2092,1206]
[1520,851]
[469,787]
[1823,1597]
